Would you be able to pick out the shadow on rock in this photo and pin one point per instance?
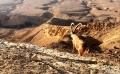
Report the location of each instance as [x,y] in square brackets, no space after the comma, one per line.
[66,45]
[92,43]
[22,21]
[63,22]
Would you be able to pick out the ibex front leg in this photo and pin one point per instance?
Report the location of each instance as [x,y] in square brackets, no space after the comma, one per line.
[73,50]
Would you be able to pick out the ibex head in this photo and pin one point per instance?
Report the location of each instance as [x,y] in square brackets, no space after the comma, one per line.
[73,31]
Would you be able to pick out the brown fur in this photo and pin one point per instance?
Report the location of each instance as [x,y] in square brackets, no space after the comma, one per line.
[78,43]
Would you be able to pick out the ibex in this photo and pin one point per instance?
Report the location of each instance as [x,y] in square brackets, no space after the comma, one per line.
[78,43]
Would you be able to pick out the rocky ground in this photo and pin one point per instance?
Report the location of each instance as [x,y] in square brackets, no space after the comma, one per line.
[24,58]
[27,21]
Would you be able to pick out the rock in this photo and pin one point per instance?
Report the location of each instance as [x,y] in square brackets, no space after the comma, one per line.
[35,57]
[115,11]
[106,8]
[21,45]
[5,42]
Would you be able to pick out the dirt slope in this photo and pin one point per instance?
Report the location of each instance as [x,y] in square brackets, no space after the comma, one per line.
[111,38]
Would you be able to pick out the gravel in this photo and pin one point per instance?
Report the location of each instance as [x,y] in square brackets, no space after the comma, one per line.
[25,58]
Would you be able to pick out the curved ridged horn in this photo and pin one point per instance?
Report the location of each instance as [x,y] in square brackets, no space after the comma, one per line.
[71,27]
[79,24]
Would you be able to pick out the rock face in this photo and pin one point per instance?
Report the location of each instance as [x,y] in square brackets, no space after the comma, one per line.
[25,58]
